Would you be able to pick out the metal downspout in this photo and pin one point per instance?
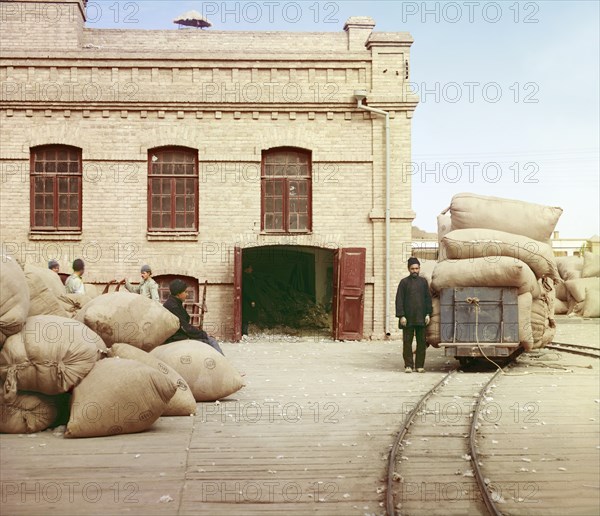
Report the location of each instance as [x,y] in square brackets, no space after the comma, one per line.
[381,112]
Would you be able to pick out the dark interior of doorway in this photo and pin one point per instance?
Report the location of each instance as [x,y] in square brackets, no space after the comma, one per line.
[292,288]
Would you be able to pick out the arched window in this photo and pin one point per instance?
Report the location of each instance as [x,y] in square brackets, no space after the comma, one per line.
[286,191]
[173,189]
[55,188]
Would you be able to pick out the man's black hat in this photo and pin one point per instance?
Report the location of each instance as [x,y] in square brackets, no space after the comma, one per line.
[177,286]
[413,261]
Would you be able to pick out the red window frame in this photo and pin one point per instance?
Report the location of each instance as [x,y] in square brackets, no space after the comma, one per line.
[55,188]
[173,182]
[286,190]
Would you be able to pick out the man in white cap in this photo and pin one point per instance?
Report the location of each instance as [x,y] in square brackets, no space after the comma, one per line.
[413,308]
[54,266]
[147,287]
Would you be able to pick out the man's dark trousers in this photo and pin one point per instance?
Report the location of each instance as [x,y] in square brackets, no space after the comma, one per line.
[408,332]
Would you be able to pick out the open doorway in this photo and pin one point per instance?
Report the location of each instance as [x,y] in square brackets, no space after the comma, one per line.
[287,289]
[299,290]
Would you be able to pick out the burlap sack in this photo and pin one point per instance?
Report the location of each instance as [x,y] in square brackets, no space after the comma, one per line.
[14,297]
[427,267]
[45,288]
[208,373]
[577,287]
[522,218]
[47,277]
[561,291]
[129,318]
[444,226]
[591,265]
[463,244]
[91,290]
[28,413]
[183,402]
[548,290]
[499,271]
[72,303]
[569,267]
[549,333]
[524,302]
[432,330]
[591,307]
[577,308]
[540,320]
[560,307]
[118,396]
[51,355]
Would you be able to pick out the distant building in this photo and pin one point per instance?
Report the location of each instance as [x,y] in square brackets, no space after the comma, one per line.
[573,246]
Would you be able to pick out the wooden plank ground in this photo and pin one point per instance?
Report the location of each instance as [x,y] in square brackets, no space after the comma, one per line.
[540,439]
[309,434]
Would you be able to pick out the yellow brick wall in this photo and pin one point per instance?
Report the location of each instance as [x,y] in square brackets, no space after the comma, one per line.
[115,104]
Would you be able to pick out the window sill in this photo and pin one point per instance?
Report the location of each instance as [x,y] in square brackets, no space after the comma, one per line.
[63,236]
[284,233]
[172,236]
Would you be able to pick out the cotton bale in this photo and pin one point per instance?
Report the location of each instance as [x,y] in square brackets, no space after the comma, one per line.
[432,330]
[591,265]
[130,319]
[444,226]
[14,297]
[591,306]
[51,355]
[577,287]
[569,267]
[45,288]
[513,216]
[483,243]
[497,271]
[208,373]
[27,413]
[183,402]
[524,302]
[118,396]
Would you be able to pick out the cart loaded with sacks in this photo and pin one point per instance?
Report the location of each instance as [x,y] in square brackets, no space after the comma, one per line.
[479,322]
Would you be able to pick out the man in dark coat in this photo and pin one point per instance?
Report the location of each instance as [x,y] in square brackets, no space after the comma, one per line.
[414,308]
[174,304]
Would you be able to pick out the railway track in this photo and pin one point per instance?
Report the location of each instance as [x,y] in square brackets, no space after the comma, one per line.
[433,462]
[576,349]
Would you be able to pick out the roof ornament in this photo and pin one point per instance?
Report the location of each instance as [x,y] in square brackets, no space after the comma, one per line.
[192,19]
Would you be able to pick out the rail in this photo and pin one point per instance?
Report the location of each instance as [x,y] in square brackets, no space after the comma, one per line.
[576,349]
[392,473]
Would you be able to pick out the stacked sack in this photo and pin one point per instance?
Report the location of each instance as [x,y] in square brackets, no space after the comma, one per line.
[54,370]
[49,357]
[494,242]
[125,318]
[48,296]
[44,354]
[580,292]
[50,367]
[14,298]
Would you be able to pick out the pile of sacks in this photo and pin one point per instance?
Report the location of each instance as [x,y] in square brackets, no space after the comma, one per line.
[579,294]
[494,242]
[97,365]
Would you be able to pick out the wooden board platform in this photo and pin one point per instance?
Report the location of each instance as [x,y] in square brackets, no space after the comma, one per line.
[309,434]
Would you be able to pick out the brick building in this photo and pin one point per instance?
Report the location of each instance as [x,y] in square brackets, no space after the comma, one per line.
[198,150]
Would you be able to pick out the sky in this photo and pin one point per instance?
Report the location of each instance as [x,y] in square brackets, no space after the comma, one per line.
[509,91]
